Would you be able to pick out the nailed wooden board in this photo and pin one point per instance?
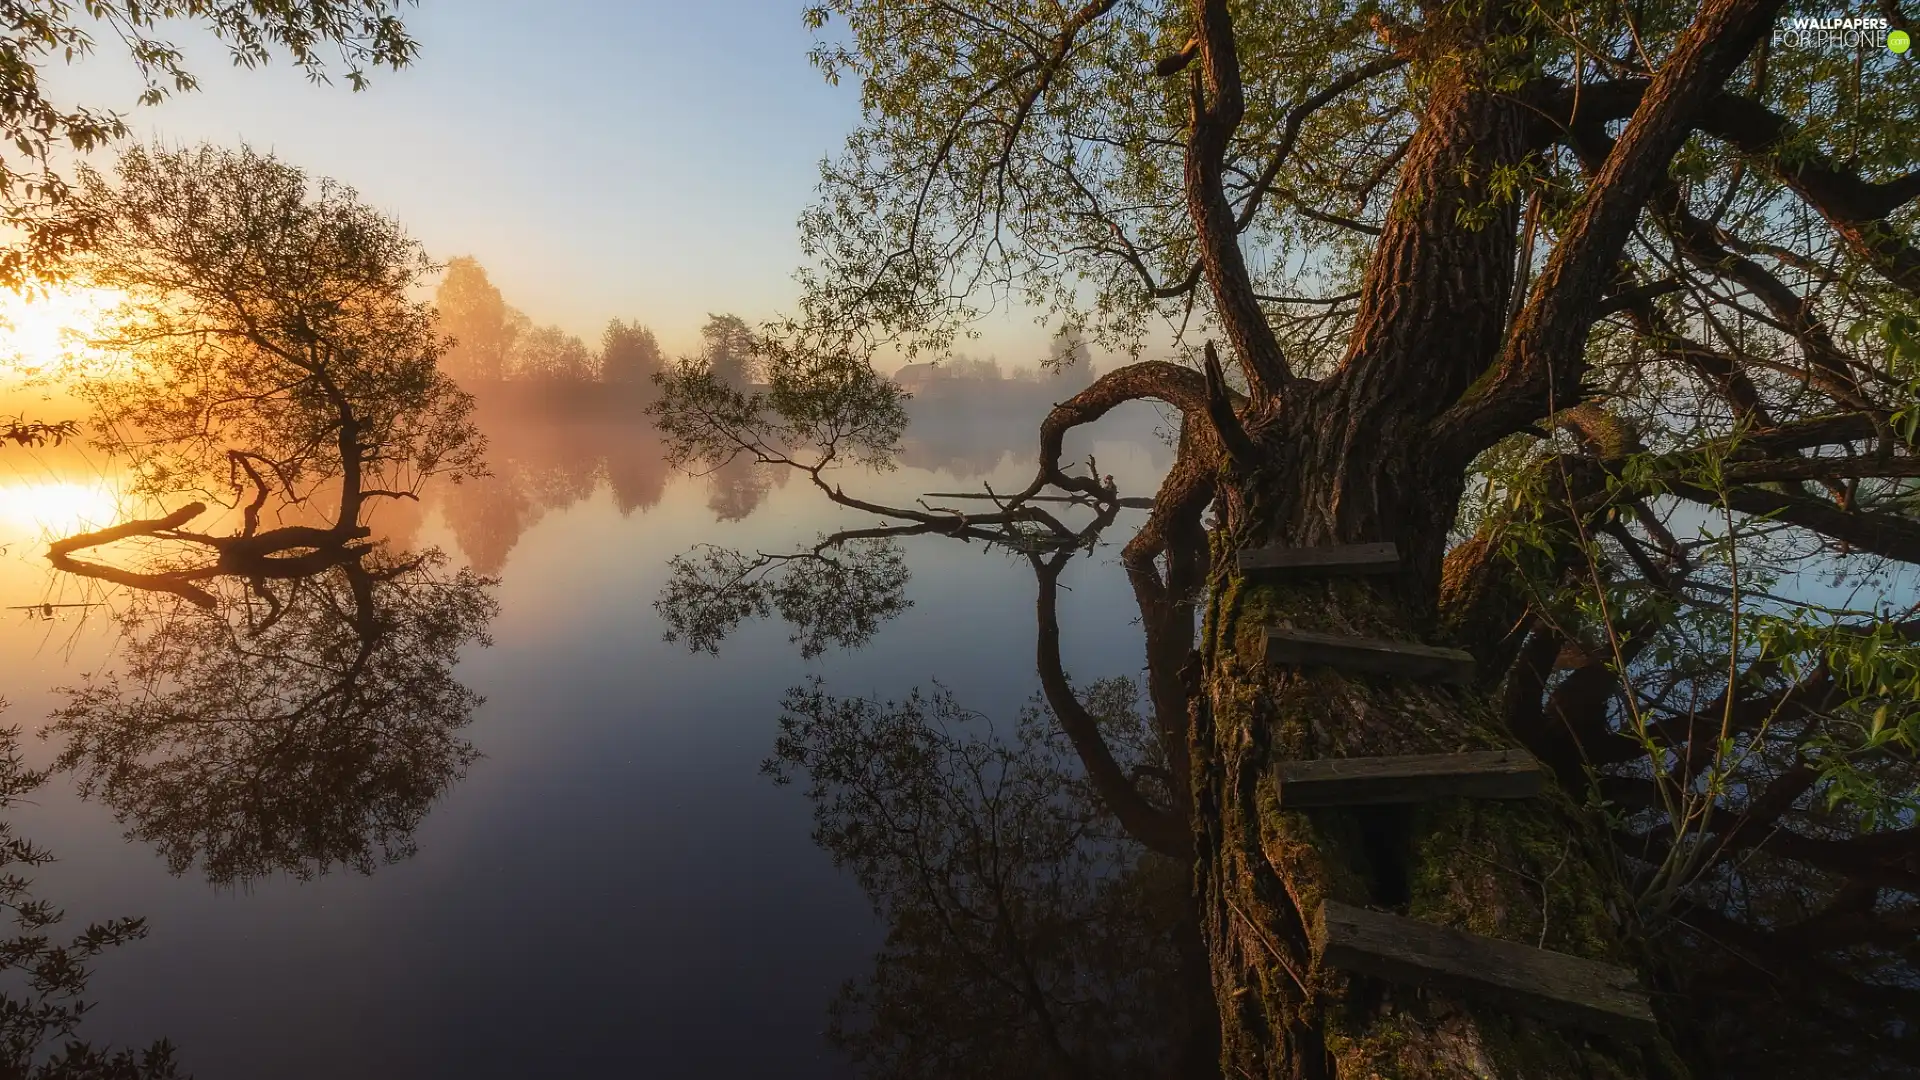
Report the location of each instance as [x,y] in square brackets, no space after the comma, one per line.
[1553,986]
[1335,559]
[1368,655]
[1365,781]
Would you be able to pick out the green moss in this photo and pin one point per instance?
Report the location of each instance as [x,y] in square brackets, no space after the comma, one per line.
[1382,1049]
[1525,871]
[1508,870]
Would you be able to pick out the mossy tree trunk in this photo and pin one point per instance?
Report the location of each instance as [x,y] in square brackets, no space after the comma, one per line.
[1534,871]
[1438,368]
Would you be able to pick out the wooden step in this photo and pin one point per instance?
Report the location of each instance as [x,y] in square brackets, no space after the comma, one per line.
[1334,559]
[1367,781]
[1553,986]
[1306,648]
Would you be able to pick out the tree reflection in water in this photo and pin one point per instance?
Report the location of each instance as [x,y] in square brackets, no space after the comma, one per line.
[42,1003]
[294,724]
[1036,885]
[1027,934]
[548,448]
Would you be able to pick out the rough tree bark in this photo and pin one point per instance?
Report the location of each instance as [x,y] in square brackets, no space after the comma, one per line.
[1379,451]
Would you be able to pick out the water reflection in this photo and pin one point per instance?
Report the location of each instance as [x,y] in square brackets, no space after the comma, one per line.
[293,724]
[548,449]
[1036,881]
[47,1011]
[1027,934]
[302,766]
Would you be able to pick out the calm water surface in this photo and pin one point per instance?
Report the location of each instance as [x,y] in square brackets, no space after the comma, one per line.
[614,888]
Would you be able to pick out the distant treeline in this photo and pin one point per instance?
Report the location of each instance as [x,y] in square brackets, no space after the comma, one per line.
[495,343]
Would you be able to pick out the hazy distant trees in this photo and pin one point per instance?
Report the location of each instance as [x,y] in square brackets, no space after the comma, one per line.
[551,355]
[494,341]
[480,323]
[629,354]
[1068,349]
[542,460]
[727,349]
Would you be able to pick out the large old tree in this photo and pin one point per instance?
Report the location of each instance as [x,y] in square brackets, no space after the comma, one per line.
[1602,314]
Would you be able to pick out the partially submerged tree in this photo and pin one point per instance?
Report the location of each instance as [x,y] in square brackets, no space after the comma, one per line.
[269,346]
[284,699]
[1560,302]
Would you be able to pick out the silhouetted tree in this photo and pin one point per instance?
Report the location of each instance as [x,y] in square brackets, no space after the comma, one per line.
[283,698]
[274,346]
[482,326]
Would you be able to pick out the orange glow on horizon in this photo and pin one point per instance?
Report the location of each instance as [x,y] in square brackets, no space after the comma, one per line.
[43,332]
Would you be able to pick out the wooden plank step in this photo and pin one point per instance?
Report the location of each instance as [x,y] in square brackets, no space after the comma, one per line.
[1552,986]
[1305,648]
[1335,559]
[1367,781]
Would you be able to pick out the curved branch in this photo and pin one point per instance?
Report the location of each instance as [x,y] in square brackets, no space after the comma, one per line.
[1158,829]
[1151,380]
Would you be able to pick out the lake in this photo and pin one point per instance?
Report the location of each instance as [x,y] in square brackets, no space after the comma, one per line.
[613,887]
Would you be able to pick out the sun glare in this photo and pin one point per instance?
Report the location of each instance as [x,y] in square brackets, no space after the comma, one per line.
[56,507]
[39,332]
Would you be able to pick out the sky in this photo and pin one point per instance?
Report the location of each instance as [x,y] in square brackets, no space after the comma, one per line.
[639,159]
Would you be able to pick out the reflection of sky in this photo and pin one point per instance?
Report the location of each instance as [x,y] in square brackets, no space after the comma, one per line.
[615,889]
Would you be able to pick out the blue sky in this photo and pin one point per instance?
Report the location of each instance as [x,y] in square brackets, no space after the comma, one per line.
[640,160]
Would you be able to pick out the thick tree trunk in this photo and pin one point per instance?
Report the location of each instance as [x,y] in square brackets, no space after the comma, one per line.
[1532,871]
[1535,871]
[1344,462]
[1352,458]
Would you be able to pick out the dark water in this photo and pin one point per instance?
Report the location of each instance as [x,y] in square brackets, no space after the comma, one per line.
[614,889]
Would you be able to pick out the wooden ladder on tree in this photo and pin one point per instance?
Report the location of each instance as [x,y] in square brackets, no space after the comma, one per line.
[1553,986]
